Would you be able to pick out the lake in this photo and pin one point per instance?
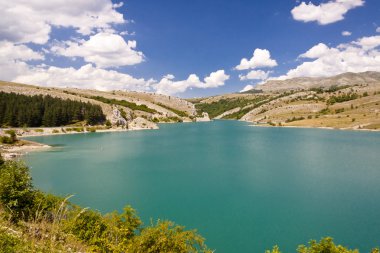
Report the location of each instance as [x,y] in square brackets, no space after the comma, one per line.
[244,188]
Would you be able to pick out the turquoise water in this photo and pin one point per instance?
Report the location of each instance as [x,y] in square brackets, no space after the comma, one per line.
[244,188]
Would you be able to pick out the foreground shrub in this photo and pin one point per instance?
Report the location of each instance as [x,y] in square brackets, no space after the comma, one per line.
[165,236]
[16,191]
[325,245]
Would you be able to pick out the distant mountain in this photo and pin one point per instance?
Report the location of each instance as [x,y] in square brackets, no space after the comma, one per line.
[300,83]
[346,101]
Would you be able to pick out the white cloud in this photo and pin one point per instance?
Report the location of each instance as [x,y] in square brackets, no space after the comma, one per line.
[346,33]
[24,21]
[103,49]
[368,42]
[247,88]
[168,86]
[9,51]
[261,58]
[325,13]
[255,75]
[13,59]
[316,51]
[86,77]
[357,56]
[378,29]
[215,79]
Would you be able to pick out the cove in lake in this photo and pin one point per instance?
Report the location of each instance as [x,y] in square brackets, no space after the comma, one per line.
[244,188]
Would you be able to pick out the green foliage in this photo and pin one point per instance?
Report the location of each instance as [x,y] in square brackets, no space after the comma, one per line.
[88,226]
[331,89]
[91,129]
[131,105]
[16,191]
[9,243]
[178,112]
[33,111]
[75,129]
[325,111]
[218,107]
[342,98]
[12,138]
[168,119]
[325,245]
[294,119]
[18,196]
[112,232]
[275,249]
[259,101]
[123,113]
[165,236]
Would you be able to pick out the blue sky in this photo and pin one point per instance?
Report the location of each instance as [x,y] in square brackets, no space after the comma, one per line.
[185,48]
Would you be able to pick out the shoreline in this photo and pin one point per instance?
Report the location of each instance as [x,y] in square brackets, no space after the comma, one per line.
[24,146]
[316,127]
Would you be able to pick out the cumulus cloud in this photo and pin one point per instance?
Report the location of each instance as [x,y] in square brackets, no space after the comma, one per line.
[14,58]
[316,52]
[325,13]
[346,33]
[261,58]
[24,21]
[86,77]
[357,56]
[255,75]
[167,85]
[103,49]
[368,42]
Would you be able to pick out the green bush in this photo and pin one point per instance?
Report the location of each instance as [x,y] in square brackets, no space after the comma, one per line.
[165,236]
[16,190]
[9,243]
[324,245]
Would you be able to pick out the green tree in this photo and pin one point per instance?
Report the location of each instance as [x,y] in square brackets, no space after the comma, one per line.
[165,236]
[16,190]
[325,245]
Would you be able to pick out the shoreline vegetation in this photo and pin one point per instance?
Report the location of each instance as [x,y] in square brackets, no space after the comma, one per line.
[34,221]
[21,146]
[24,146]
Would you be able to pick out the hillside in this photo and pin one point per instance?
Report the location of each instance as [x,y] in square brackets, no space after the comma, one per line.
[346,101]
[126,109]
[304,83]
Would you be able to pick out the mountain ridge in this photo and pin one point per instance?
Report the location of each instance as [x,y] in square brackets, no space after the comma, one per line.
[348,78]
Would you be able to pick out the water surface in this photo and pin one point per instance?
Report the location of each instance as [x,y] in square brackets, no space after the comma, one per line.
[244,188]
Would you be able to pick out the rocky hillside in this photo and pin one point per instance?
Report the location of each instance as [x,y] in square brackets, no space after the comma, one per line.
[133,109]
[347,101]
[302,83]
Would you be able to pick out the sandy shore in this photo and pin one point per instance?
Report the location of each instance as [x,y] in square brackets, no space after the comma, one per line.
[21,147]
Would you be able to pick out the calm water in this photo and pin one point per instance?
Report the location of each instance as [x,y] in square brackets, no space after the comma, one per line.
[244,188]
